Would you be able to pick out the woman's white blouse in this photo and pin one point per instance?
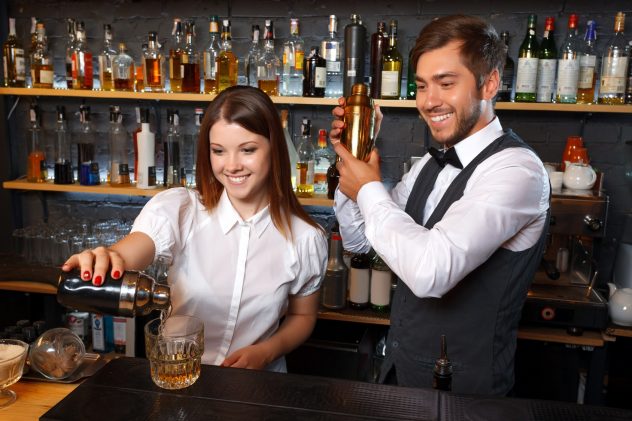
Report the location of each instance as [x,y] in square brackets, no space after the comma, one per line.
[233,274]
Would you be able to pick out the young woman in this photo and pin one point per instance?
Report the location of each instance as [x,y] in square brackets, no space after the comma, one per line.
[242,251]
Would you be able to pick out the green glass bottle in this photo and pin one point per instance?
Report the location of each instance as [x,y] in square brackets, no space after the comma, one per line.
[527,74]
[411,84]
[547,63]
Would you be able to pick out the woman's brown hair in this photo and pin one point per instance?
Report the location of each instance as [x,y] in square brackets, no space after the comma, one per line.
[253,110]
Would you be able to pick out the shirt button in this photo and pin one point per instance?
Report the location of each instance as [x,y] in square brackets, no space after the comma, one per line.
[395,344]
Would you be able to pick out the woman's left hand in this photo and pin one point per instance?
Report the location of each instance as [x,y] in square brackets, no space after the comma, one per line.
[251,357]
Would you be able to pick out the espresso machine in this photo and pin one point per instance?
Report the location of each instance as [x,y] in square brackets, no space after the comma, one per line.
[563,291]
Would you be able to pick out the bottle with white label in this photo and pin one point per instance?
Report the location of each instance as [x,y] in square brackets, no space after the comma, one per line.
[527,73]
[381,280]
[13,59]
[392,63]
[359,281]
[330,49]
[547,64]
[568,65]
[146,150]
[588,66]
[614,66]
[314,74]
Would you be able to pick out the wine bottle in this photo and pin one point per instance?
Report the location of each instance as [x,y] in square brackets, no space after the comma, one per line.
[614,66]
[547,63]
[379,41]
[334,289]
[391,66]
[314,74]
[587,66]
[568,65]
[359,281]
[507,77]
[526,76]
[381,280]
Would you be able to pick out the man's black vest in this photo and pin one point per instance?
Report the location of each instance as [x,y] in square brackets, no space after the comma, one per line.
[479,316]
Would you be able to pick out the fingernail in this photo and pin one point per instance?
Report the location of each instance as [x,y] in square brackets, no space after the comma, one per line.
[86,275]
[116,274]
[98,280]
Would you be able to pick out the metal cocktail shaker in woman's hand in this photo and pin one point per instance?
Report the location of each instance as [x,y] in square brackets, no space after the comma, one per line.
[134,294]
[359,118]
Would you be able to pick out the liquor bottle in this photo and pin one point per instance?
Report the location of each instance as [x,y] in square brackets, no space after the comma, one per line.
[106,56]
[175,56]
[379,42]
[355,38]
[252,58]
[268,64]
[199,115]
[381,280]
[13,59]
[333,176]
[139,79]
[86,153]
[507,77]
[614,66]
[63,162]
[29,55]
[123,70]
[547,63]
[36,162]
[587,66]
[334,289]
[146,178]
[153,76]
[172,147]
[119,151]
[628,88]
[314,74]
[568,65]
[41,61]
[527,73]
[82,67]
[71,37]
[305,165]
[411,83]
[190,61]
[290,148]
[442,372]
[359,281]
[293,54]
[226,61]
[392,64]
[331,50]
[324,157]
[210,57]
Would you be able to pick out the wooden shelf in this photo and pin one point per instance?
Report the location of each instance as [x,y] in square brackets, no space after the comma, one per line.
[21,184]
[616,330]
[356,316]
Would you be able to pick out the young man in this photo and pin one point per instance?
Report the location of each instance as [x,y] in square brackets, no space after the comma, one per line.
[463,230]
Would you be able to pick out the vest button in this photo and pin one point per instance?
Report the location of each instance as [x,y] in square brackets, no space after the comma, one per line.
[395,344]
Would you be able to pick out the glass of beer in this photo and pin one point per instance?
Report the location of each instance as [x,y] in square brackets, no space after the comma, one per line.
[174,347]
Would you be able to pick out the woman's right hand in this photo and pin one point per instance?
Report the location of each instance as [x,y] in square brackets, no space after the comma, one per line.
[94,263]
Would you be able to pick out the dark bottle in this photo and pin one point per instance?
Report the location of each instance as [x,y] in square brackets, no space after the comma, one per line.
[314,74]
[507,77]
[628,88]
[334,290]
[411,83]
[359,281]
[135,294]
[355,36]
[379,42]
[442,373]
[332,179]
[88,166]
[63,162]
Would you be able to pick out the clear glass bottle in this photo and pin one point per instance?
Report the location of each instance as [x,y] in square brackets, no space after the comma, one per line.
[507,76]
[190,61]
[199,115]
[568,65]
[334,289]
[323,158]
[119,150]
[268,63]
[252,57]
[13,59]
[123,70]
[172,147]
[379,42]
[226,60]
[588,66]
[290,148]
[71,37]
[381,280]
[359,281]
[153,76]
[305,165]
[392,63]
[28,55]
[314,74]
[355,39]
[175,56]
[86,150]
[614,66]
[547,63]
[82,67]
[42,75]
[293,54]
[63,161]
[331,50]
[210,57]
[106,56]
[36,159]
[527,73]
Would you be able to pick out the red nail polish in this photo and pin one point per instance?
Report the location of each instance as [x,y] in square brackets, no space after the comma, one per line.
[116,274]
[86,275]
[98,280]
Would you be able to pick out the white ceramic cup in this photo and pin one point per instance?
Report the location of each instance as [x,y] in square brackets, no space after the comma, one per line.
[557,178]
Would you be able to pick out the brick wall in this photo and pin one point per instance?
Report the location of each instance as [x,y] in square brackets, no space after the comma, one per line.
[605,134]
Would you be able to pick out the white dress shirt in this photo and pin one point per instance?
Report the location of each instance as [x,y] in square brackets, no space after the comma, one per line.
[233,274]
[504,205]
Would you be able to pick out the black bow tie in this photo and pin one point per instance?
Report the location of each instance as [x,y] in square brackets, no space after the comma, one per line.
[448,156]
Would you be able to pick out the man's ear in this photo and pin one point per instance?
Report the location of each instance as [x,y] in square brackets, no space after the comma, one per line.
[491,85]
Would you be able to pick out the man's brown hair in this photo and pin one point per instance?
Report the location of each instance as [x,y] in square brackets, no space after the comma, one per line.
[482,50]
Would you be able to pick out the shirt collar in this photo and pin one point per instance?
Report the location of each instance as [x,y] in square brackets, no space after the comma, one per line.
[471,146]
[229,217]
